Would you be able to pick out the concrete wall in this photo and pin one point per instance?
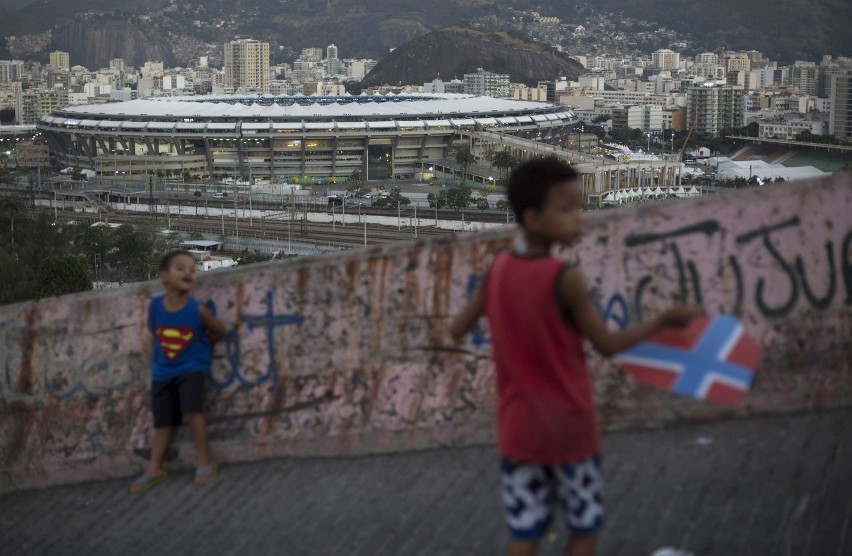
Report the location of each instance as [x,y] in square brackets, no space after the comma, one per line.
[349,353]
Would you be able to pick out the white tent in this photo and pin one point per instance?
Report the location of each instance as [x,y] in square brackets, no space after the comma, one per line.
[608,198]
[681,192]
[658,191]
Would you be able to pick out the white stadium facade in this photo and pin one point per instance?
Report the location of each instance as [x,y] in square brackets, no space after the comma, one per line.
[275,137]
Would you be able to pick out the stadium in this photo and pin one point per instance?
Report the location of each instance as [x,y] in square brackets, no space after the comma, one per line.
[281,137]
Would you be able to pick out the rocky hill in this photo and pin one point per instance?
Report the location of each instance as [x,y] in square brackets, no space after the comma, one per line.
[97,39]
[785,30]
[452,52]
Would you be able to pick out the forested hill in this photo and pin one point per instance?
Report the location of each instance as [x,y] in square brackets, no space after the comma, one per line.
[785,30]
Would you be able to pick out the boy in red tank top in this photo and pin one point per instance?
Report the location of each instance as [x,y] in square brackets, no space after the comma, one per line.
[538,310]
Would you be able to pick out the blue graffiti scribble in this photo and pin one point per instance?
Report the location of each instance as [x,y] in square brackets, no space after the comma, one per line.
[268,321]
[616,311]
[109,366]
[478,337]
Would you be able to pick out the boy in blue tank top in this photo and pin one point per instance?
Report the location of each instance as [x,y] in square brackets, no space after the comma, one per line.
[183,332]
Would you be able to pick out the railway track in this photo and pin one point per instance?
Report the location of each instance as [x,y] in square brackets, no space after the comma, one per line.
[351,235]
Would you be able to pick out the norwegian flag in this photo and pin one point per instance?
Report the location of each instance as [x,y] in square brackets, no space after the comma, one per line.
[712,359]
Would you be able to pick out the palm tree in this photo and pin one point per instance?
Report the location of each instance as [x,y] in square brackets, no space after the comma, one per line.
[465,158]
[14,206]
[503,161]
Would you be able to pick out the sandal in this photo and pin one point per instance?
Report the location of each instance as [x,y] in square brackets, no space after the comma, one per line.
[144,483]
[206,475]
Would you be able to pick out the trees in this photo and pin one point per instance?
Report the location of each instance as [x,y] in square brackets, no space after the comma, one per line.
[45,257]
[356,178]
[7,115]
[597,131]
[250,257]
[503,161]
[437,200]
[132,252]
[482,201]
[464,156]
[394,198]
[60,275]
[13,206]
[458,198]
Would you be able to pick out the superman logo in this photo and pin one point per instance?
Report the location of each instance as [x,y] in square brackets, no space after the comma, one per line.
[173,340]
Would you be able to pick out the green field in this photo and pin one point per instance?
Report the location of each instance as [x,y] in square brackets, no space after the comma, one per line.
[827,162]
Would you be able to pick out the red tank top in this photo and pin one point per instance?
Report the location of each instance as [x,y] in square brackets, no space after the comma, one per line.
[545,410]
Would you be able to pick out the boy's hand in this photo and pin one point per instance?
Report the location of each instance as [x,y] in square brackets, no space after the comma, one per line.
[680,316]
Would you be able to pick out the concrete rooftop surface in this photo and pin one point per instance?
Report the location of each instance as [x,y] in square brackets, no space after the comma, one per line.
[776,485]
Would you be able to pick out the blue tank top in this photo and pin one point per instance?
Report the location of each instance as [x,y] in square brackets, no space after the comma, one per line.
[180,340]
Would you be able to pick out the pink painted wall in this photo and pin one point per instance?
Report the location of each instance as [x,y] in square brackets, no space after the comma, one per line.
[349,354]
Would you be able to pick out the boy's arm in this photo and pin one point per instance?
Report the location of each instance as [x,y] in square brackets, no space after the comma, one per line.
[466,320]
[574,294]
[215,329]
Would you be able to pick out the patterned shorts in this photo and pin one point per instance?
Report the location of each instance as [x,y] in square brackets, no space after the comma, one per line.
[530,492]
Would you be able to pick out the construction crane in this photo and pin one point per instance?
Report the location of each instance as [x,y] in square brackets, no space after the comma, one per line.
[688,135]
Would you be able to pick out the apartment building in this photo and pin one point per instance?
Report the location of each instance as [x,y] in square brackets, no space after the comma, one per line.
[11,70]
[61,61]
[247,65]
[32,104]
[665,59]
[716,107]
[485,83]
[803,75]
[644,117]
[840,115]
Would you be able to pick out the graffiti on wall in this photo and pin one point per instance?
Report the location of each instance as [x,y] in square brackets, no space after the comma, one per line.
[753,270]
[355,344]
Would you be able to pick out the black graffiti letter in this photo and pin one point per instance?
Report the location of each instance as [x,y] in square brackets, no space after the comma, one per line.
[824,302]
[768,311]
[847,266]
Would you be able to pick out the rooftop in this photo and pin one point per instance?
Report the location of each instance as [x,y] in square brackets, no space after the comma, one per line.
[300,106]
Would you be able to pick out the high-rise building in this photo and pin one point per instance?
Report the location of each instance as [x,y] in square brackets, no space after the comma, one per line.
[840,118]
[247,65]
[60,60]
[716,107]
[333,64]
[804,76]
[665,59]
[707,58]
[60,79]
[646,117]
[118,64]
[828,68]
[762,78]
[11,70]
[311,54]
[736,61]
[31,105]
[485,83]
